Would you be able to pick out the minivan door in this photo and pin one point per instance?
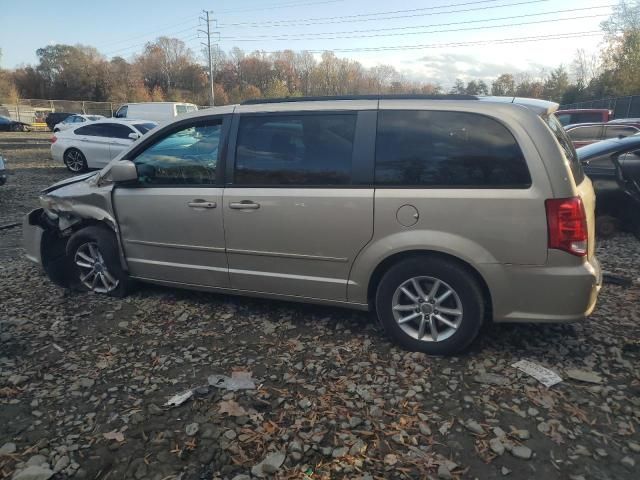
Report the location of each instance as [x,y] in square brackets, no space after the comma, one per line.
[170,219]
[298,204]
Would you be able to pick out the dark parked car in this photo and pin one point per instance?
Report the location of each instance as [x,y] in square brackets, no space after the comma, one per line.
[614,168]
[56,117]
[585,133]
[8,125]
[3,171]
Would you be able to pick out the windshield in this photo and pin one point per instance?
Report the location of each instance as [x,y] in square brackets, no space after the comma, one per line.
[144,127]
[94,117]
[569,152]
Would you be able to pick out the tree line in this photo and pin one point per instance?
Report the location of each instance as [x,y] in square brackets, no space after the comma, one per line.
[167,70]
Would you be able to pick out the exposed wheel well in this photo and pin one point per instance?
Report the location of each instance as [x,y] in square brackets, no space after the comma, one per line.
[382,268]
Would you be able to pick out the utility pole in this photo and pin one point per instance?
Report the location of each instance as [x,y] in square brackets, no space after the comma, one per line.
[208,45]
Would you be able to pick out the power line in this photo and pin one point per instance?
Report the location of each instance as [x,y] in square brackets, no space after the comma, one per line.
[466,22]
[282,5]
[560,36]
[378,35]
[160,29]
[358,17]
[110,53]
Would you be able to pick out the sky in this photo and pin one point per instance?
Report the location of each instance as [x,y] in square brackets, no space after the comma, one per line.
[427,41]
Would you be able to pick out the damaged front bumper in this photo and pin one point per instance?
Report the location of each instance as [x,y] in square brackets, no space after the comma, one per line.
[32,234]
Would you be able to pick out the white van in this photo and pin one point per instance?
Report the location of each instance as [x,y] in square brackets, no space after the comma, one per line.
[155,111]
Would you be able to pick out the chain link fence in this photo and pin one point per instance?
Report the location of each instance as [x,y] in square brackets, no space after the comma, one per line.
[34,111]
[623,107]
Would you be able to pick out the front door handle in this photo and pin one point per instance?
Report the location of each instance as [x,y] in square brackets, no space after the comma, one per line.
[202,204]
[244,205]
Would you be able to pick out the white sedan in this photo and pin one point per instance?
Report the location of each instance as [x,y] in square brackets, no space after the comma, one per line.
[95,144]
[75,121]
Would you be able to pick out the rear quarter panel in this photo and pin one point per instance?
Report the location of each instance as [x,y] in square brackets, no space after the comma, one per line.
[478,226]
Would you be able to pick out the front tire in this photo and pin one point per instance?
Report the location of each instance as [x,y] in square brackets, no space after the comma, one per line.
[93,252]
[75,160]
[430,305]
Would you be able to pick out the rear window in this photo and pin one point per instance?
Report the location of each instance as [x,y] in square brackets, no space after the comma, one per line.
[569,152]
[447,150]
[185,109]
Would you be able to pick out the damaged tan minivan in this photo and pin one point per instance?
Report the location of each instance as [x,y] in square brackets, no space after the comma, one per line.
[438,213]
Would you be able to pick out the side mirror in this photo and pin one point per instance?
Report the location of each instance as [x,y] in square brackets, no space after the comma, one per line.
[124,171]
[134,136]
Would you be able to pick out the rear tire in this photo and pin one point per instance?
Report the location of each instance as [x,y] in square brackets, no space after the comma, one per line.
[446,305]
[75,160]
[93,253]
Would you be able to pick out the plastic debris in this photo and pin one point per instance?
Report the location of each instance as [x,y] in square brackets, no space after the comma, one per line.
[545,376]
[179,399]
[583,376]
[237,381]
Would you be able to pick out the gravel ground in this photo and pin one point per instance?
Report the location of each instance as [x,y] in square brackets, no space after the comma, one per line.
[84,380]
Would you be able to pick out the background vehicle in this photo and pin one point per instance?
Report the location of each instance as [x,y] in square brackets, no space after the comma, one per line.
[156,111]
[3,171]
[53,118]
[95,144]
[75,121]
[361,201]
[614,167]
[584,115]
[586,133]
[9,125]
[635,122]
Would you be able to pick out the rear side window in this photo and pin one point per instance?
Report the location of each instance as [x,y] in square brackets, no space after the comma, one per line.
[586,117]
[89,130]
[569,152]
[292,150]
[619,131]
[585,133]
[116,130]
[447,150]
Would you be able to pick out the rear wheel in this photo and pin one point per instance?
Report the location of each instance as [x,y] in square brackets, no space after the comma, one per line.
[430,305]
[93,252]
[75,161]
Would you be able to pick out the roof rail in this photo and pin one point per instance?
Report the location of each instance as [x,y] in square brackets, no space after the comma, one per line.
[256,101]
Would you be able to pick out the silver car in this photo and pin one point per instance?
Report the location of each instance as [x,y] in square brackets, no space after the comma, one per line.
[436,213]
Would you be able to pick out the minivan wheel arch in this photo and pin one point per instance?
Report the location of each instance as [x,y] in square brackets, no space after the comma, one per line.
[391,260]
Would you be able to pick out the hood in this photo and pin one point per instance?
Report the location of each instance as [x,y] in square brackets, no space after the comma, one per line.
[611,146]
[69,181]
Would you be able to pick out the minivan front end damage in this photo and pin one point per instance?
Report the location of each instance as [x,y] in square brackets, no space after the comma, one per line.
[64,209]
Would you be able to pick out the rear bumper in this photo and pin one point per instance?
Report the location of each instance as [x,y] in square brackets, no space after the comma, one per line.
[545,294]
[32,236]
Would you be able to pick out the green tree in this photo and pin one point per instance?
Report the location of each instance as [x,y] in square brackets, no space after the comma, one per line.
[556,84]
[504,85]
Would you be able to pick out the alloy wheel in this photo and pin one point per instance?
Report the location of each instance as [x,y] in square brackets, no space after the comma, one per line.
[94,273]
[74,160]
[427,309]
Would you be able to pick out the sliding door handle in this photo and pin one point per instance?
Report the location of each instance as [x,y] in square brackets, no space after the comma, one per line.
[244,205]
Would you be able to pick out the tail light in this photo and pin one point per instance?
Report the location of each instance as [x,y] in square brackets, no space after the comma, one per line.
[53,139]
[567,225]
